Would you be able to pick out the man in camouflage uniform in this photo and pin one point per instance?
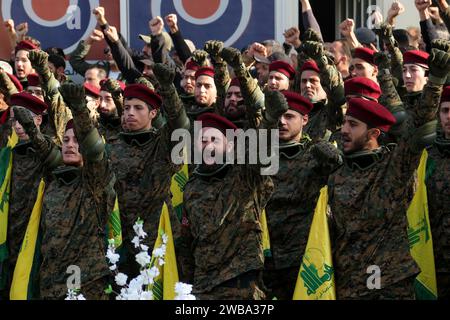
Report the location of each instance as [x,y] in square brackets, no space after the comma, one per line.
[237,96]
[141,158]
[9,85]
[111,108]
[57,114]
[438,188]
[322,84]
[304,169]
[367,194]
[31,162]
[76,205]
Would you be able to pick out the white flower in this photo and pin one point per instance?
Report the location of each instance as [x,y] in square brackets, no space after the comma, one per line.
[183,291]
[113,267]
[159,252]
[139,230]
[121,279]
[143,258]
[112,256]
[133,295]
[144,247]
[165,238]
[147,276]
[136,284]
[81,297]
[147,295]
[161,262]
[136,241]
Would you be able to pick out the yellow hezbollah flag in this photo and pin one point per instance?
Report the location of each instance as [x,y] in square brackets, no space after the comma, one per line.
[316,277]
[164,285]
[24,265]
[265,235]
[177,185]
[114,225]
[5,185]
[420,239]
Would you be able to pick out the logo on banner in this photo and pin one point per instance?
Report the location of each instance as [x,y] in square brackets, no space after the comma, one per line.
[63,22]
[215,15]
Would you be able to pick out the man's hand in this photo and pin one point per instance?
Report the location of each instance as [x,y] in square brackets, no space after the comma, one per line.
[382,60]
[434,14]
[172,22]
[200,57]
[439,61]
[156,26]
[394,11]
[311,35]
[74,96]
[22,30]
[214,48]
[95,36]
[38,59]
[347,27]
[99,14]
[313,49]
[9,25]
[232,56]
[257,49]
[276,105]
[422,5]
[292,37]
[443,5]
[25,118]
[164,74]
[112,34]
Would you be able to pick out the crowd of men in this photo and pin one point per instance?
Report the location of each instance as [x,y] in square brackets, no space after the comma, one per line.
[355,115]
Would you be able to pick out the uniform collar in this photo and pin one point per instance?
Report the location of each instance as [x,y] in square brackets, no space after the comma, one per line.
[24,148]
[443,145]
[138,139]
[209,172]
[363,160]
[292,149]
[67,175]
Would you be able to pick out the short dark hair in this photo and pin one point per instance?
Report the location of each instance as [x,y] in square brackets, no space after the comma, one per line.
[57,61]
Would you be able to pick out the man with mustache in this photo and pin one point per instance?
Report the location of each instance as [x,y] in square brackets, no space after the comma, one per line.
[304,169]
[367,194]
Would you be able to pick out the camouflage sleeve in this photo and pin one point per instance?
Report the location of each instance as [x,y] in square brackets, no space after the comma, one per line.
[445,15]
[251,92]
[77,58]
[183,241]
[390,97]
[397,65]
[222,82]
[6,85]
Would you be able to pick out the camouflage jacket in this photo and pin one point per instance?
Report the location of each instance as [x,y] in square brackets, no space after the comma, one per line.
[222,219]
[291,207]
[438,190]
[27,170]
[368,197]
[143,166]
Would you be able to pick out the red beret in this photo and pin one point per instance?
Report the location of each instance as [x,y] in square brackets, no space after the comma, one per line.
[26,45]
[91,90]
[361,86]
[191,65]
[445,97]
[213,120]
[310,65]
[282,67]
[235,83]
[297,102]
[370,112]
[416,57]
[33,80]
[144,93]
[28,101]
[16,82]
[204,71]
[365,54]
[69,125]
[103,87]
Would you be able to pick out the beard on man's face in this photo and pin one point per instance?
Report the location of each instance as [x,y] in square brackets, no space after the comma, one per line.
[358,144]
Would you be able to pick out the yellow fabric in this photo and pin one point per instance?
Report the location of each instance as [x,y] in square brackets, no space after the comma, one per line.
[420,238]
[114,225]
[5,188]
[316,277]
[265,235]
[164,286]
[21,278]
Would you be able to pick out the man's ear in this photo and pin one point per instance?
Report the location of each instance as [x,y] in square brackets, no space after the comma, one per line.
[375,70]
[38,120]
[305,118]
[373,133]
[153,113]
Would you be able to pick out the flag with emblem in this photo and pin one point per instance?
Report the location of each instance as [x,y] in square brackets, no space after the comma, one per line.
[164,284]
[114,225]
[23,284]
[420,239]
[315,280]
[5,185]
